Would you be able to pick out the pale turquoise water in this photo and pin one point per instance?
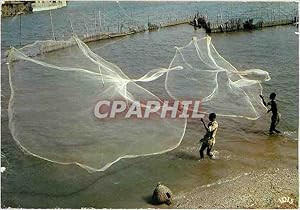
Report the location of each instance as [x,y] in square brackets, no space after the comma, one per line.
[243,145]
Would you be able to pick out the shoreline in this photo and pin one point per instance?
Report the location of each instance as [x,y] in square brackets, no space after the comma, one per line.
[51,45]
[46,46]
[267,188]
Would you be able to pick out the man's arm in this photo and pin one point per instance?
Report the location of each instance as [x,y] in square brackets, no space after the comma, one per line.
[204,124]
[263,100]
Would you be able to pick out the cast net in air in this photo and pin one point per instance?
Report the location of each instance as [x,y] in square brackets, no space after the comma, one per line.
[208,77]
[53,97]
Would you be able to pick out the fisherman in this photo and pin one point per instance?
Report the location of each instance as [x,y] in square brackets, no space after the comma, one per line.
[209,138]
[195,21]
[275,114]
[201,22]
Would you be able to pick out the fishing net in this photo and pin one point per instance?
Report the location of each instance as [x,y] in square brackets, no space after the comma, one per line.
[51,110]
[208,77]
[53,96]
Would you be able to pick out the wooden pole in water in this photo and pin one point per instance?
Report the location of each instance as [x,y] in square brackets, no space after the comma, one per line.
[221,16]
[86,28]
[71,26]
[53,36]
[20,29]
[100,21]
[103,23]
[95,23]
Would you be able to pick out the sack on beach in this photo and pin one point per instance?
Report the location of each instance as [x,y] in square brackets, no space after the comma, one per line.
[162,194]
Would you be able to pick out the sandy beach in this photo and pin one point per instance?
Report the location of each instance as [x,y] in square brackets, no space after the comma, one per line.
[272,188]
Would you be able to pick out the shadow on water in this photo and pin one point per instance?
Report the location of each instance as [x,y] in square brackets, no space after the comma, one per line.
[97,176]
[148,200]
[186,155]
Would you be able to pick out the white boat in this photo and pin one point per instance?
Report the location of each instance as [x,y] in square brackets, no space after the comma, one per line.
[48,5]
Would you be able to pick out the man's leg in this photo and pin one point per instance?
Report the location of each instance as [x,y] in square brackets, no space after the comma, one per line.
[276,123]
[204,145]
[277,131]
[273,124]
[209,150]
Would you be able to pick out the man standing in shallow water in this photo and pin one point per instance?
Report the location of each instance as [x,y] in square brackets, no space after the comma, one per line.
[275,114]
[209,138]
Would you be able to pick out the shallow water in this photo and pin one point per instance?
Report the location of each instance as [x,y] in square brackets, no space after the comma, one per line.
[243,145]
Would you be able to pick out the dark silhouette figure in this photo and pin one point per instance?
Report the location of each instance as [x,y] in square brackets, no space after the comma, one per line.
[275,114]
[209,138]
[195,21]
[248,25]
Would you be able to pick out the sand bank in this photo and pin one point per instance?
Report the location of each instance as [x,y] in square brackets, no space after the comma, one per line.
[271,188]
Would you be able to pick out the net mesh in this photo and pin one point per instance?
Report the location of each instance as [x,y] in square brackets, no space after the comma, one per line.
[53,97]
[208,77]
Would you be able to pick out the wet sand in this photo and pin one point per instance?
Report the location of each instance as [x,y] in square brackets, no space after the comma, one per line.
[263,169]
[272,188]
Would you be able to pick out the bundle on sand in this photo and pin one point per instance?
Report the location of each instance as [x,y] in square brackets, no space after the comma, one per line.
[162,194]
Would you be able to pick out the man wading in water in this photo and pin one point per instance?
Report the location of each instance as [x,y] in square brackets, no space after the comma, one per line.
[275,114]
[209,138]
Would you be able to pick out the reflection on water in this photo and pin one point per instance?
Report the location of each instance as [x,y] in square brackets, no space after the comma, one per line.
[243,145]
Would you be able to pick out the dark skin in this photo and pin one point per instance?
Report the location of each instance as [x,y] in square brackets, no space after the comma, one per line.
[211,119]
[205,143]
[272,103]
[274,111]
[204,124]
